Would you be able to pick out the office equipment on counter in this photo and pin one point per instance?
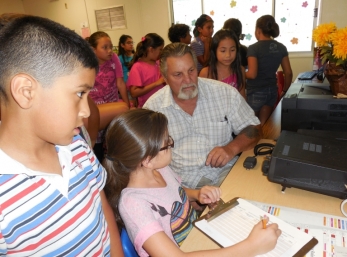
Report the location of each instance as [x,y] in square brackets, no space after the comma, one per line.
[312,106]
[312,163]
[232,222]
[308,75]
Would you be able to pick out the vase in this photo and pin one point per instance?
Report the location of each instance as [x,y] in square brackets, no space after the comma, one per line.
[337,77]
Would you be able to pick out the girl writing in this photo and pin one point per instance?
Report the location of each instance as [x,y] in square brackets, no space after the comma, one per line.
[225,61]
[264,58]
[144,77]
[107,83]
[125,53]
[148,196]
[202,39]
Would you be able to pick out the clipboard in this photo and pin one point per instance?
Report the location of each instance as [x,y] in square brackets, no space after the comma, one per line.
[224,208]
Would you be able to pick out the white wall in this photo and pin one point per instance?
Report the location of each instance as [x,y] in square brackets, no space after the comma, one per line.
[143,16]
[13,6]
[334,11]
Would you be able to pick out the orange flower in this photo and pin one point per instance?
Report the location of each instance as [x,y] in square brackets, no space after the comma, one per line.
[339,42]
[321,34]
[332,43]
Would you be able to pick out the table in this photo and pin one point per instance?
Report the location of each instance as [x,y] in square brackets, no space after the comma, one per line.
[252,185]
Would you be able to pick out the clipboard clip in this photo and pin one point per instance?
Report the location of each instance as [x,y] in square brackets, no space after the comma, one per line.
[220,208]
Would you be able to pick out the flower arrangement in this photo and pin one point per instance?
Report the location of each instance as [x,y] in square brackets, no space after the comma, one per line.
[332,43]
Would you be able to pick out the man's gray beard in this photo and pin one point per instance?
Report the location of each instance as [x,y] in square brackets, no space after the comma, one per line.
[188,95]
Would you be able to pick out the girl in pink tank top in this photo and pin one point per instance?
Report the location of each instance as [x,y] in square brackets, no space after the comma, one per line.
[144,76]
[225,61]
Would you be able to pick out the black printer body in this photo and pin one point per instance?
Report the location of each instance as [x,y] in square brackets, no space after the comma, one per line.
[311,163]
[313,106]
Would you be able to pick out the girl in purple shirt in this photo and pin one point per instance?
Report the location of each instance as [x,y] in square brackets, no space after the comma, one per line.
[108,82]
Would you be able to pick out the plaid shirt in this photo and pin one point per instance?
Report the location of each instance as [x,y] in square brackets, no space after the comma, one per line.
[220,111]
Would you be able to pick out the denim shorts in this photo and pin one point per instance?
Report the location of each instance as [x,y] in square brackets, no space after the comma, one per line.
[256,98]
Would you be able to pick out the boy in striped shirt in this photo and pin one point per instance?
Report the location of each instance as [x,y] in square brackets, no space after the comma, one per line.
[51,185]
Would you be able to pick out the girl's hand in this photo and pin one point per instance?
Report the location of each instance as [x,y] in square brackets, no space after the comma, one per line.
[161,81]
[206,40]
[263,240]
[209,194]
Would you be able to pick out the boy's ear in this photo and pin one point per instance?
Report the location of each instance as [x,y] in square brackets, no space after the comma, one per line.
[22,88]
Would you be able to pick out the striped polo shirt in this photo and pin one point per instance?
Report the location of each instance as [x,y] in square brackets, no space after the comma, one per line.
[44,214]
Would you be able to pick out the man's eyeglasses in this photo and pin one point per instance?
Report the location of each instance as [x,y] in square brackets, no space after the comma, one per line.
[170,144]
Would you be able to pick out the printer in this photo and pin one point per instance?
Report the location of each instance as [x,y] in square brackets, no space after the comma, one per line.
[313,106]
[312,163]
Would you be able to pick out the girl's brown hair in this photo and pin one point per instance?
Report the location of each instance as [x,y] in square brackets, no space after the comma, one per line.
[150,40]
[93,39]
[130,139]
[268,26]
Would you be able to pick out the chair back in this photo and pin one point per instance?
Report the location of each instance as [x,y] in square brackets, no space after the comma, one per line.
[127,245]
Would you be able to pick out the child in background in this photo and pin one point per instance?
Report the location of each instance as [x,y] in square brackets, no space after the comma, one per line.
[236,26]
[179,33]
[144,77]
[110,76]
[52,200]
[225,61]
[149,197]
[125,53]
[264,58]
[202,40]
[107,83]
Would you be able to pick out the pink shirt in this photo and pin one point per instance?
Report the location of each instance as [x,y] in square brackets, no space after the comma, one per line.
[105,89]
[146,211]
[143,74]
[232,81]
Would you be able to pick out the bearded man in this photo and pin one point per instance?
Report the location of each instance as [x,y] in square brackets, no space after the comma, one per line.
[203,115]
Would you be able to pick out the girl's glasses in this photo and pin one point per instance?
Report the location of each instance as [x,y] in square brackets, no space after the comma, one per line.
[170,144]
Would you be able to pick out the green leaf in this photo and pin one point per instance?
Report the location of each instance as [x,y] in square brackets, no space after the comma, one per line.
[339,62]
[324,59]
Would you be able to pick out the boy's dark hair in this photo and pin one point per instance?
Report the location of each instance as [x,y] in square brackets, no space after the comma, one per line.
[129,143]
[235,65]
[5,18]
[200,22]
[178,31]
[150,40]
[234,25]
[268,26]
[93,39]
[42,49]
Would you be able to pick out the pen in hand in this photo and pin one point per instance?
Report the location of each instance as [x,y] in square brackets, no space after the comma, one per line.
[264,221]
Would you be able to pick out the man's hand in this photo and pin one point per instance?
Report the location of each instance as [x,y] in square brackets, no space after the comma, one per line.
[219,156]
[246,139]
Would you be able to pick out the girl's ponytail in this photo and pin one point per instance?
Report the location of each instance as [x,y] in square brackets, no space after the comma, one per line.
[200,22]
[150,40]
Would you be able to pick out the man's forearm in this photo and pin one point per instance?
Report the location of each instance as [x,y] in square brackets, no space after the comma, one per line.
[246,139]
